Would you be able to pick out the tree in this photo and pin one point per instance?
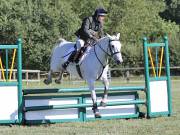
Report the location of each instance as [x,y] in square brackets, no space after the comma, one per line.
[41,22]
[172,11]
[134,20]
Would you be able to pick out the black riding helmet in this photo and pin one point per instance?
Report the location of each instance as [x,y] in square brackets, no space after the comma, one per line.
[100,12]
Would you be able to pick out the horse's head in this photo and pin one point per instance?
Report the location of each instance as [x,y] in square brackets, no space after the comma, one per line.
[115,48]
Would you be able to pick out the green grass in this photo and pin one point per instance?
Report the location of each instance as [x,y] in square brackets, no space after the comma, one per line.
[82,83]
[154,126]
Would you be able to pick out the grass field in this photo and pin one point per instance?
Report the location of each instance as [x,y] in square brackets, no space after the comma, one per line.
[154,126]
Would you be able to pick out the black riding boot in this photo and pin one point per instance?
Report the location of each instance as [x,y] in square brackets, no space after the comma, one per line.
[70,59]
[80,54]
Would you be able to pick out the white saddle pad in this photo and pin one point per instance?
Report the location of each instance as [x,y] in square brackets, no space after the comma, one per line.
[66,56]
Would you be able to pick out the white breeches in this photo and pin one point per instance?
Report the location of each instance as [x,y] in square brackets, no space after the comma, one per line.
[79,43]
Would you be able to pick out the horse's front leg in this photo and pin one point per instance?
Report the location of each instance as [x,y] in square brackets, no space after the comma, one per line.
[58,80]
[94,98]
[105,82]
[106,88]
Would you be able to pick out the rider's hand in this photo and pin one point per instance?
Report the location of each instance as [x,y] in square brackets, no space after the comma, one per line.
[94,38]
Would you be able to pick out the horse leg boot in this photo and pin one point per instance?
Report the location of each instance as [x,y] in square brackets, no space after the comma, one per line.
[95,107]
[96,111]
[70,59]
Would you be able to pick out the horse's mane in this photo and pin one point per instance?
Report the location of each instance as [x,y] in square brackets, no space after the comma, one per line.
[99,41]
[103,38]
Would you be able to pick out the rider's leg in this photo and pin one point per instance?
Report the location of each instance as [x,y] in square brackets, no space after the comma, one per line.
[79,44]
[79,54]
[70,59]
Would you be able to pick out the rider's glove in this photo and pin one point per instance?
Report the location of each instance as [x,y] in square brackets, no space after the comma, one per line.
[94,38]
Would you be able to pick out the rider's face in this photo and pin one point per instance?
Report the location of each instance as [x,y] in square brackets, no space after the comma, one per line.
[101,19]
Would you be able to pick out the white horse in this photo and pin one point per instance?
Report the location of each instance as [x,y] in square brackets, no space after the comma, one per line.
[93,65]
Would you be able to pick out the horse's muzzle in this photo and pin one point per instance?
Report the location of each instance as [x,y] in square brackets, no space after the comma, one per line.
[118,62]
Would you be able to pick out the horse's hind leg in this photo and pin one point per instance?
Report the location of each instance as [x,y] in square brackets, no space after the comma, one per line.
[49,78]
[58,80]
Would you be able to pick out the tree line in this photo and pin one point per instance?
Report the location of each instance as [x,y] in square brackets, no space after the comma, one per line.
[40,23]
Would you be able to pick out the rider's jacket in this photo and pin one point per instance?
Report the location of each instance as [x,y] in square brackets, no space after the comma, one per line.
[90,27]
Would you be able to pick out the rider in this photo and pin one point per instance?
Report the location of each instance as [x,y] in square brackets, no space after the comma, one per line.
[91,29]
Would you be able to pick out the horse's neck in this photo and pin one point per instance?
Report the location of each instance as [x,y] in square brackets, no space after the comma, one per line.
[101,49]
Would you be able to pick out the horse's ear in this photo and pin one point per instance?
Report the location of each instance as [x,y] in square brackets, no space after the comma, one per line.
[108,35]
[118,36]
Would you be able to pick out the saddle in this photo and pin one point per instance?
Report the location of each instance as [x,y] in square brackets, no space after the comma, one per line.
[81,52]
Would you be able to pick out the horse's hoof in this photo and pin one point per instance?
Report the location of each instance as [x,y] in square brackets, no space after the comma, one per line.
[47,82]
[142,115]
[97,115]
[103,104]
[58,81]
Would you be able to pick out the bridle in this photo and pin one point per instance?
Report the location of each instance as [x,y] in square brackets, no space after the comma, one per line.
[109,49]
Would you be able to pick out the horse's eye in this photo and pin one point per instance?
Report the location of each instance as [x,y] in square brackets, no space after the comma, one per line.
[112,46]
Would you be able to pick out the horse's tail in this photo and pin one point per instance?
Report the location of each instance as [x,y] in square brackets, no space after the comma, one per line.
[59,41]
[57,44]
